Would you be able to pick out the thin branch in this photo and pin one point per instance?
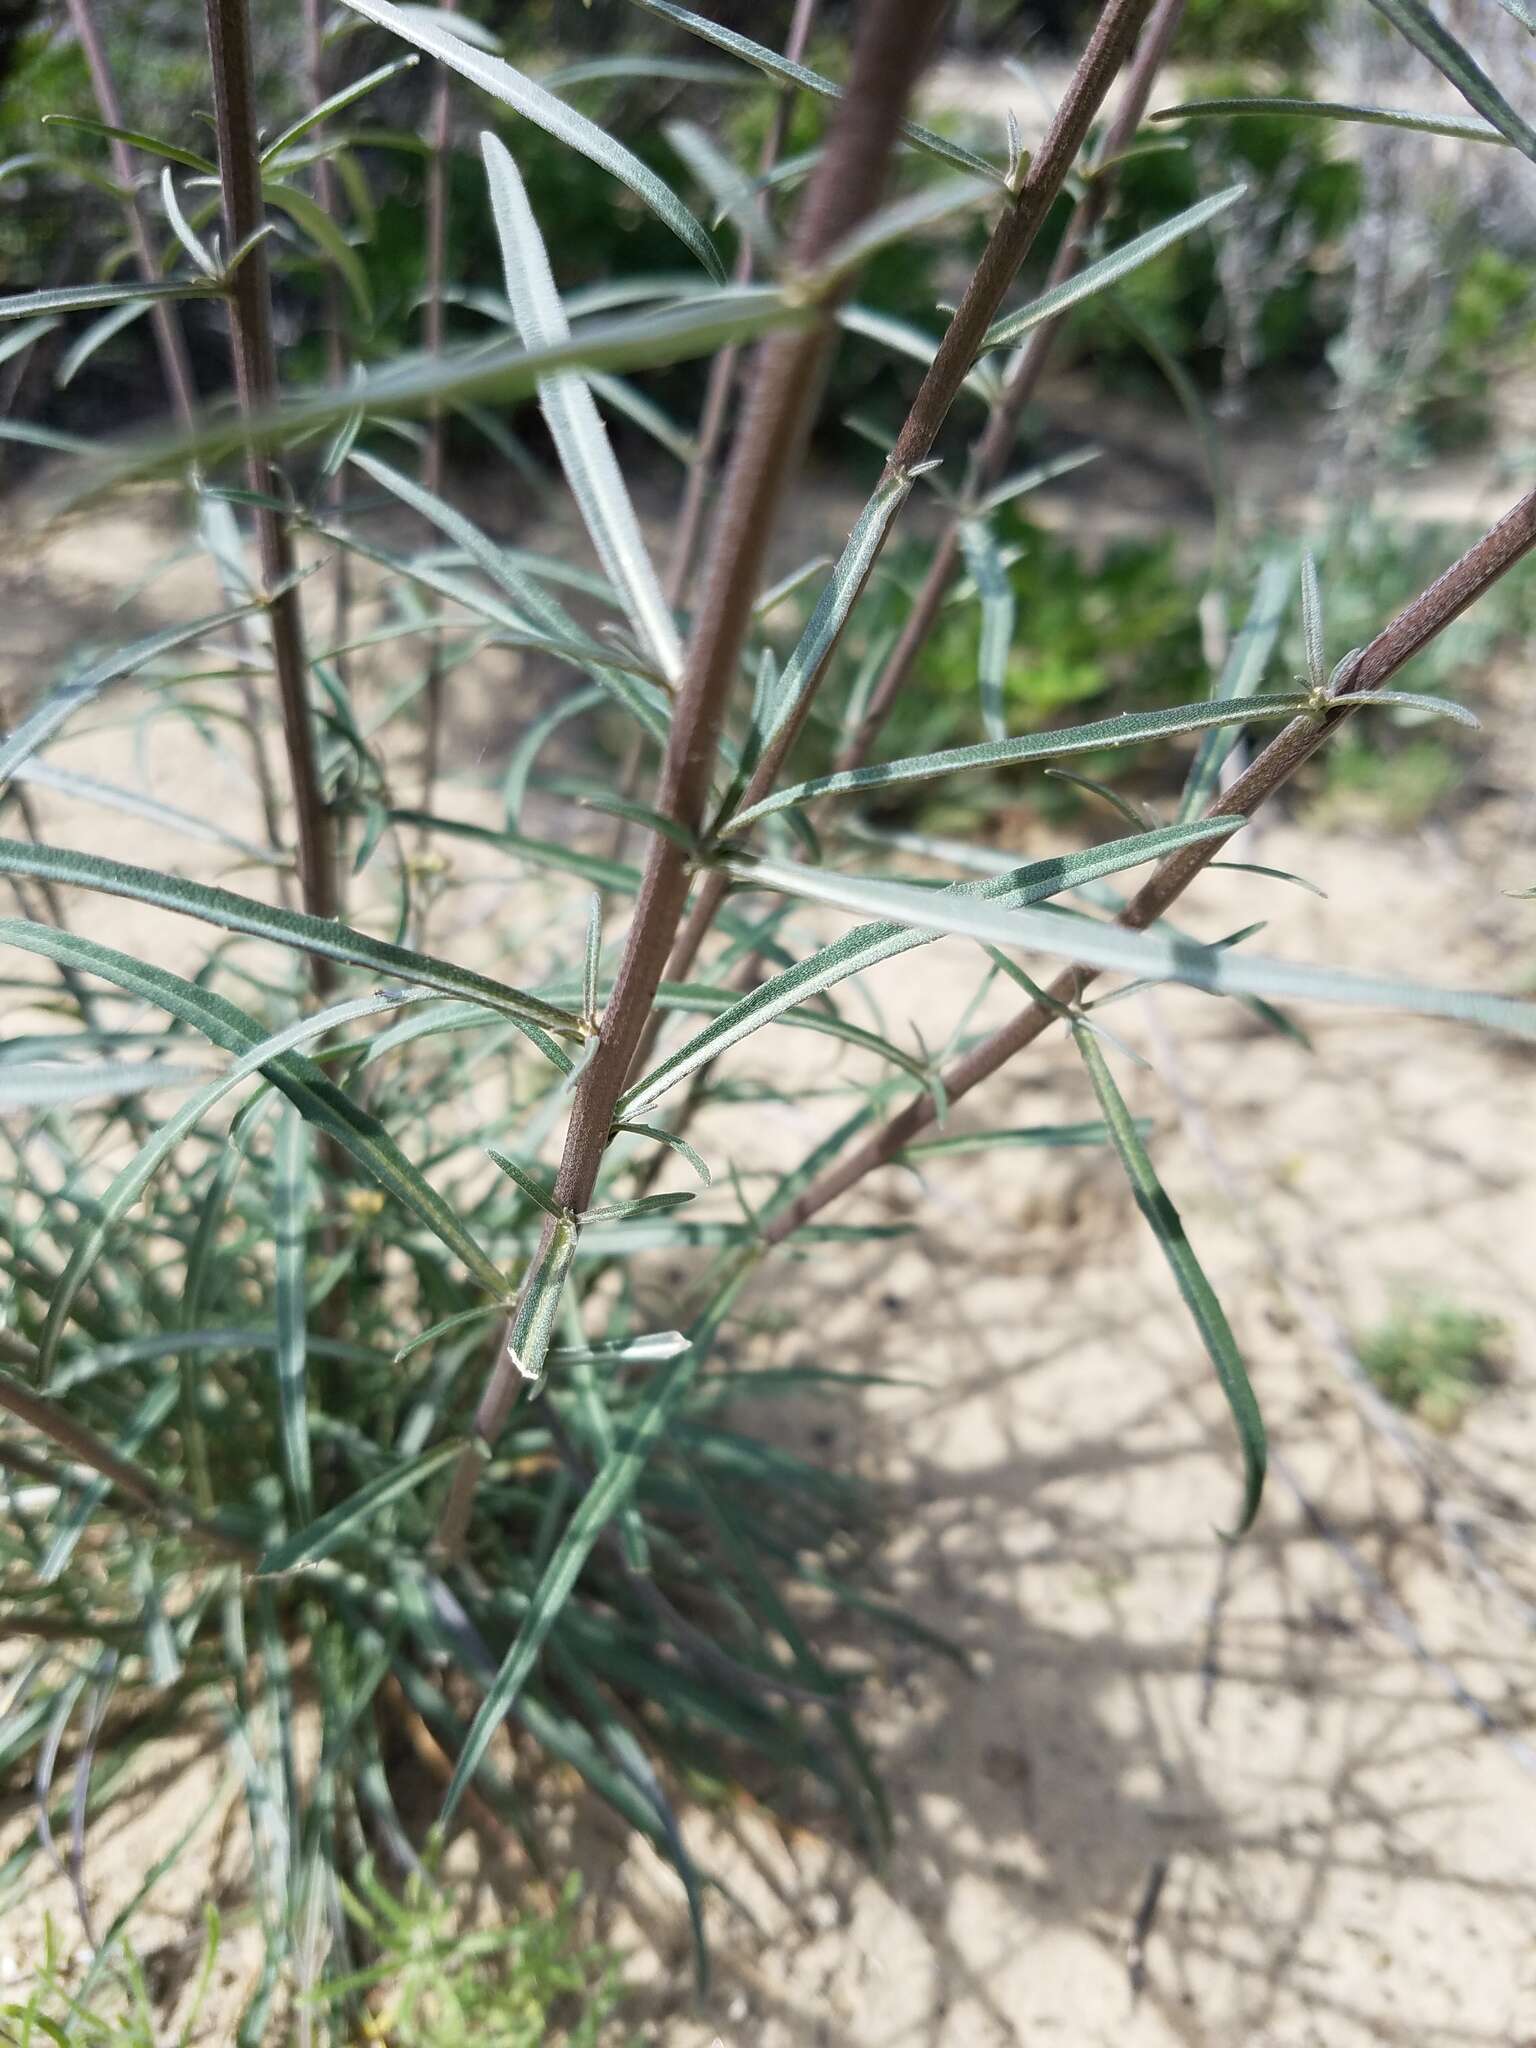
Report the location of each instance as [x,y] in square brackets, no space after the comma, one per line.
[78,1442]
[331,310]
[722,371]
[432,340]
[994,446]
[255,359]
[1008,245]
[1413,628]
[891,42]
[170,337]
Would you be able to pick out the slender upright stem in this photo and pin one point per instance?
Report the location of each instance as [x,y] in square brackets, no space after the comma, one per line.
[995,444]
[1008,245]
[255,358]
[170,342]
[432,336]
[331,304]
[722,371]
[165,324]
[891,43]
[1413,628]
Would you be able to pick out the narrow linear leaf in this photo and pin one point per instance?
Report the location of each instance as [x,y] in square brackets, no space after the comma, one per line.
[1030,1136]
[788,73]
[51,1084]
[608,1493]
[1098,277]
[657,1348]
[495,76]
[650,339]
[1031,479]
[327,237]
[872,943]
[290,1247]
[152,145]
[289,928]
[1428,35]
[300,1079]
[67,697]
[1457,125]
[1241,675]
[1129,729]
[92,298]
[1312,623]
[348,1518]
[346,97]
[96,336]
[727,185]
[181,228]
[1152,955]
[86,789]
[581,439]
[642,1205]
[983,559]
[901,220]
[673,1141]
[1163,1219]
[536,1192]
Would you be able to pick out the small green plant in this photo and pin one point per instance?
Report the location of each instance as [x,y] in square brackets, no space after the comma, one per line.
[1434,1358]
[436,1983]
[106,2004]
[363,1390]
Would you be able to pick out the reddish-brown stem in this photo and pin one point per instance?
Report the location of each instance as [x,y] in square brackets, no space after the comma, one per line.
[722,371]
[891,42]
[331,309]
[255,360]
[432,338]
[995,444]
[713,414]
[1007,247]
[38,1412]
[165,324]
[175,363]
[1414,627]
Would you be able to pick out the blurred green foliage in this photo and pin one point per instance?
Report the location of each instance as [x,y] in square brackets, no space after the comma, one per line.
[1433,1358]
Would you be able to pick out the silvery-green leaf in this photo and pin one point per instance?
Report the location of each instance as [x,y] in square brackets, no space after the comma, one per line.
[579,434]
[1242,672]
[1427,34]
[345,97]
[670,333]
[1153,955]
[1312,623]
[1210,1321]
[788,73]
[326,936]
[1098,277]
[902,219]
[995,591]
[50,1084]
[727,185]
[67,697]
[981,381]
[97,335]
[348,1517]
[868,945]
[327,237]
[1031,479]
[495,76]
[181,229]
[1129,729]
[1457,125]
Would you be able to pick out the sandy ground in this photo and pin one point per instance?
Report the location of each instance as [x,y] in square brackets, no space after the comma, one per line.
[1345,1855]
